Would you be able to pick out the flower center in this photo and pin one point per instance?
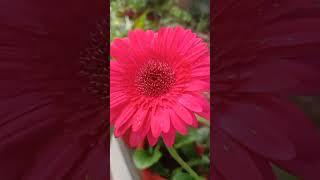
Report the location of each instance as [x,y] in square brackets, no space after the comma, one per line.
[155,78]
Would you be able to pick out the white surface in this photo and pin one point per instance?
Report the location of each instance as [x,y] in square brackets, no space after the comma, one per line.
[118,166]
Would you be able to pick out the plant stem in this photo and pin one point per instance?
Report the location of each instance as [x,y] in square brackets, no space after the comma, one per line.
[183,164]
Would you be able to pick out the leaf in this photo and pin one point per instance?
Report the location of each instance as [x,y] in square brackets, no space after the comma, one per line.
[140,22]
[144,159]
[200,135]
[185,140]
[182,176]
[189,151]
[203,134]
[160,169]
[203,160]
[281,174]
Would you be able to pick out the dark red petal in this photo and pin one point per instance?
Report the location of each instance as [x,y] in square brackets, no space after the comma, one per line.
[232,160]
[297,126]
[278,76]
[300,168]
[43,132]
[248,122]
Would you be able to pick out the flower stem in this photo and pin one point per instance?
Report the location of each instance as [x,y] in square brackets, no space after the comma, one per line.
[183,164]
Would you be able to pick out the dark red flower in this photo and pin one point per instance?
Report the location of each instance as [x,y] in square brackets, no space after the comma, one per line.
[52,96]
[264,52]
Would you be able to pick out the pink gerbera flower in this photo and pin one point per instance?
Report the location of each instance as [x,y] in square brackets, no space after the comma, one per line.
[265,51]
[157,82]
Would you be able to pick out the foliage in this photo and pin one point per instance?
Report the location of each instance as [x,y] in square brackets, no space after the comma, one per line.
[145,158]
[153,14]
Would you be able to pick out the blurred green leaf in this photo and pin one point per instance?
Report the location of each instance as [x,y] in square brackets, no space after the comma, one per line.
[203,160]
[282,175]
[187,139]
[199,135]
[140,22]
[160,169]
[189,151]
[203,134]
[182,176]
[144,159]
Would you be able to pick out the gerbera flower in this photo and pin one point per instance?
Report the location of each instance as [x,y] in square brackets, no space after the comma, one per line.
[157,82]
[53,107]
[264,51]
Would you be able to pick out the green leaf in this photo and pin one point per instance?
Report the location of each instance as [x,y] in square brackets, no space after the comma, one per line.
[140,22]
[203,160]
[203,134]
[182,176]
[283,175]
[200,135]
[160,169]
[189,151]
[185,140]
[144,159]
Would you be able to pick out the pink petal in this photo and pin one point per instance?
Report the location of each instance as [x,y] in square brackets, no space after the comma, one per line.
[117,98]
[115,67]
[139,118]
[198,53]
[160,122]
[206,108]
[197,85]
[177,123]
[140,48]
[183,113]
[191,102]
[201,72]
[165,120]
[195,122]
[169,137]
[120,131]
[125,115]
[120,50]
[136,138]
[152,140]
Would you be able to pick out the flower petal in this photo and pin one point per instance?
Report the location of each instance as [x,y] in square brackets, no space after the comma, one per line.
[152,140]
[248,123]
[177,123]
[229,159]
[197,85]
[169,137]
[191,102]
[183,113]
[139,118]
[125,116]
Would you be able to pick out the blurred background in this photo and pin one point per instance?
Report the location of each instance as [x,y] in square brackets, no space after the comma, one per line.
[193,14]
[152,14]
